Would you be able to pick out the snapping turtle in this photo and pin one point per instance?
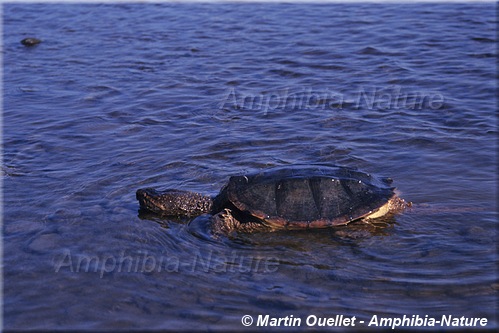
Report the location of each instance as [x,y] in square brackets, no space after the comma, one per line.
[295,197]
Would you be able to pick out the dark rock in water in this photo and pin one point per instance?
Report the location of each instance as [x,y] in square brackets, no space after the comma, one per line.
[30,41]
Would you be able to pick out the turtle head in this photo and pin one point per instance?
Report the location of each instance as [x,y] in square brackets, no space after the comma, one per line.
[174,202]
[155,201]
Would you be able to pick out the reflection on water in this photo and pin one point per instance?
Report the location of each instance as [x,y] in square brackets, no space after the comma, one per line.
[126,96]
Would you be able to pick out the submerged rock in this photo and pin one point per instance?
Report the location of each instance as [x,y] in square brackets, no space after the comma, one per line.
[30,41]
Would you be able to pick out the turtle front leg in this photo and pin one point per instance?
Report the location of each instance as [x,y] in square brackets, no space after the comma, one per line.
[225,223]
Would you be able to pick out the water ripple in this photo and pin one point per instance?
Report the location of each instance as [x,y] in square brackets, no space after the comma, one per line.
[184,96]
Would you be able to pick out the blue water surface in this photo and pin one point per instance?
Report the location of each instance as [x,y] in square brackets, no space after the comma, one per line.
[174,95]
